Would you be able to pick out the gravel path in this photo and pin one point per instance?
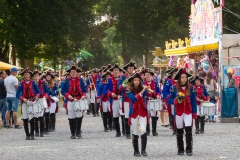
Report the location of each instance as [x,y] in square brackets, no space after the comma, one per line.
[219,140]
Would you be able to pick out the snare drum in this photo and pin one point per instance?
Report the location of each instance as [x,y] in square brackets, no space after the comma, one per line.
[207,108]
[55,98]
[30,109]
[154,105]
[43,103]
[37,107]
[80,105]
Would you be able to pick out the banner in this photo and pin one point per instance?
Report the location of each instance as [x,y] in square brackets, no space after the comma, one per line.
[235,70]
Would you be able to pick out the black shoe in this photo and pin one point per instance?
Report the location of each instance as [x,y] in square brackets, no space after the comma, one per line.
[137,154]
[27,137]
[155,133]
[32,137]
[189,153]
[98,114]
[105,130]
[41,134]
[171,127]
[144,153]
[197,131]
[94,115]
[180,153]
[148,133]
[123,133]
[73,136]
[47,132]
[128,136]
[201,132]
[166,125]
[118,135]
[174,132]
[36,134]
[79,136]
[110,129]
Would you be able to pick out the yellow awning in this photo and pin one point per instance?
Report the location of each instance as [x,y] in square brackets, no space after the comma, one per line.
[6,66]
[175,52]
[200,48]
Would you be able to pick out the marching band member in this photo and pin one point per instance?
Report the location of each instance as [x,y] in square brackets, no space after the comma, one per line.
[155,87]
[167,86]
[202,95]
[105,105]
[50,113]
[184,97]
[164,112]
[111,89]
[43,94]
[72,89]
[27,91]
[138,113]
[64,99]
[99,81]
[166,95]
[130,67]
[93,80]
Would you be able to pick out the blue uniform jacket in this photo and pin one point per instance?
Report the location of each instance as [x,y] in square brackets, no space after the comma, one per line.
[53,91]
[21,89]
[193,100]
[65,87]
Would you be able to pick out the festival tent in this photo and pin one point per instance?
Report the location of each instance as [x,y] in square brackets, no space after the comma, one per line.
[6,66]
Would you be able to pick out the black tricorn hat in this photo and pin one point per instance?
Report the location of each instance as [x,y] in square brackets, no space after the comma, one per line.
[169,70]
[36,72]
[106,73]
[43,77]
[115,66]
[72,68]
[103,68]
[50,74]
[180,72]
[79,70]
[174,69]
[136,75]
[147,70]
[192,80]
[108,67]
[130,64]
[26,70]
[122,70]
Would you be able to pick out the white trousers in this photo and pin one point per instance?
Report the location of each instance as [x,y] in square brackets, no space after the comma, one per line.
[24,112]
[126,109]
[106,106]
[184,119]
[172,109]
[115,108]
[52,108]
[153,113]
[142,121]
[88,97]
[71,112]
[93,96]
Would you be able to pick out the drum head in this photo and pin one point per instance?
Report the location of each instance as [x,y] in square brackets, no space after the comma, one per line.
[206,104]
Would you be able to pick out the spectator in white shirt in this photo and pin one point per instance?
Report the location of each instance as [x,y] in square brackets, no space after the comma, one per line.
[11,85]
